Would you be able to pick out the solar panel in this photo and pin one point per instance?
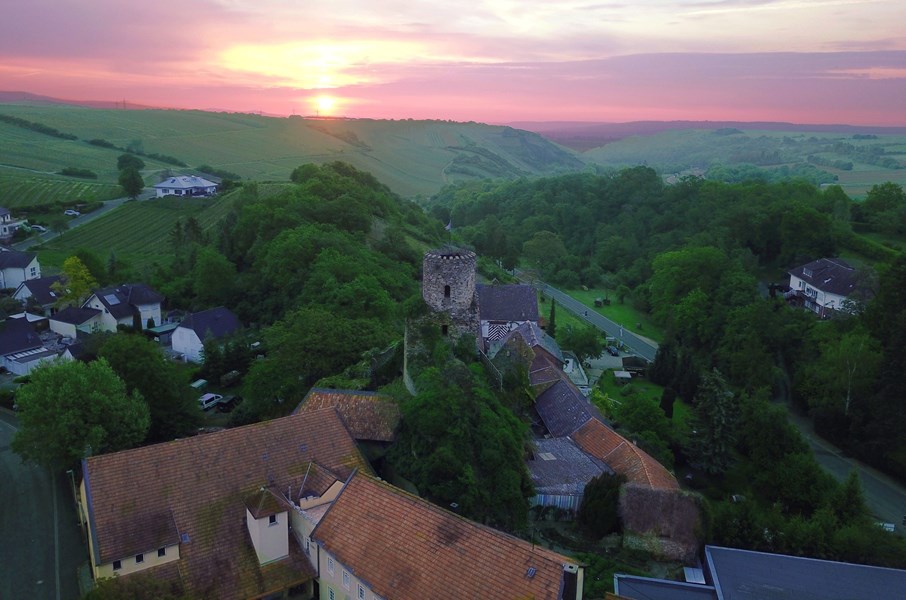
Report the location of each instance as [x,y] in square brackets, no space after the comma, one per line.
[111,299]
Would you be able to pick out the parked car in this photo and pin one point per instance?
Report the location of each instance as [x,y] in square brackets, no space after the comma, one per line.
[71,213]
[39,228]
[229,403]
[612,350]
[206,401]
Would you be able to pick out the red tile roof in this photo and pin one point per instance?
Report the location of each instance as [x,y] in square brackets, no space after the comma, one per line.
[621,455]
[201,483]
[369,416]
[406,548]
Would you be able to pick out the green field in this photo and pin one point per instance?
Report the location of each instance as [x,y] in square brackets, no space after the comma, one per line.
[623,314]
[137,232]
[19,190]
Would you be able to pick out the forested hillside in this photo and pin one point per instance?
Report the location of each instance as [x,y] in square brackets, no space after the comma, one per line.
[696,256]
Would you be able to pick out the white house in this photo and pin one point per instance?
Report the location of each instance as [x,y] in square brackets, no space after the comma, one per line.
[40,291]
[21,348]
[69,321]
[127,304]
[8,225]
[16,267]
[824,284]
[185,185]
[215,323]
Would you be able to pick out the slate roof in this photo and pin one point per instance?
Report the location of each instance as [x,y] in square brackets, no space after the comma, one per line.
[625,458]
[214,322]
[369,416]
[18,335]
[13,259]
[75,316]
[558,466]
[564,409]
[183,182]
[406,548]
[534,336]
[121,300]
[647,588]
[749,575]
[832,275]
[202,483]
[507,303]
[40,289]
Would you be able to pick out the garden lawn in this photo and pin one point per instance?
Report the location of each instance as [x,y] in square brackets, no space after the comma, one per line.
[625,313]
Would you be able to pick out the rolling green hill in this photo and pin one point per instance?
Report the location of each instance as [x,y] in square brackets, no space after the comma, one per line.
[412,157]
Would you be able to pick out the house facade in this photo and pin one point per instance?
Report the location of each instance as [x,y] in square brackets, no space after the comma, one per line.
[185,185]
[503,308]
[823,285]
[191,334]
[39,291]
[129,304]
[16,267]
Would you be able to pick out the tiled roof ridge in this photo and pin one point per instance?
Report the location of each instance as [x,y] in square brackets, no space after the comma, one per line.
[348,392]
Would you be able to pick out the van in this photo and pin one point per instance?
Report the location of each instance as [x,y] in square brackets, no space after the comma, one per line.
[208,400]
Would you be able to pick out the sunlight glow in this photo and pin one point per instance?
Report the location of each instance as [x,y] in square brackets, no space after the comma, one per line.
[325,105]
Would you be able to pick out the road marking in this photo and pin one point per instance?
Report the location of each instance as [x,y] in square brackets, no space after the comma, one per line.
[8,425]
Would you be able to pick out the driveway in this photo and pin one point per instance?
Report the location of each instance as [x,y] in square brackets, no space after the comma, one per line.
[42,543]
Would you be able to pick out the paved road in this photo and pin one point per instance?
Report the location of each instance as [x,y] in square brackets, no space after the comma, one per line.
[637,345]
[80,220]
[41,546]
[886,499]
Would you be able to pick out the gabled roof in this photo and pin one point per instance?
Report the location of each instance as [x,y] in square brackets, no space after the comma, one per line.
[4,211]
[183,182]
[75,316]
[534,336]
[558,466]
[507,303]
[18,335]
[369,416]
[406,548]
[203,482]
[120,301]
[13,259]
[625,458]
[832,275]
[214,322]
[563,408]
[40,289]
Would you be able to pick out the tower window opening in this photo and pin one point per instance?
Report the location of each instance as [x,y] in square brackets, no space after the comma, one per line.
[446,291]
[445,329]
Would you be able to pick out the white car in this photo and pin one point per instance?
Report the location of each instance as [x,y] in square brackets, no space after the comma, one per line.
[39,228]
[208,400]
[71,213]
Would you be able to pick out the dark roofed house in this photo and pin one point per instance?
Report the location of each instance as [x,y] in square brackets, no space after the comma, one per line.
[377,541]
[212,511]
[185,185]
[39,291]
[16,267]
[822,285]
[560,472]
[127,304]
[564,409]
[215,323]
[21,347]
[734,574]
[502,308]
[69,321]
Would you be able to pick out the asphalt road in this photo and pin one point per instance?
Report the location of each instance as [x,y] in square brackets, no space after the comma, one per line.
[637,345]
[42,546]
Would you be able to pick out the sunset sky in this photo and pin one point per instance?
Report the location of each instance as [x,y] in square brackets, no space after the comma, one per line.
[804,61]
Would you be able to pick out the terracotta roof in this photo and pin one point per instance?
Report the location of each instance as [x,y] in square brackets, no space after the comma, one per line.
[507,303]
[621,455]
[203,482]
[832,275]
[368,415]
[406,548]
[263,503]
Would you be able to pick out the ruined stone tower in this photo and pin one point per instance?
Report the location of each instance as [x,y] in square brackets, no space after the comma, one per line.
[448,286]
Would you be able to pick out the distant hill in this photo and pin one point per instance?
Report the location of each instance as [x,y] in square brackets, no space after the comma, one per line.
[582,136]
[412,157]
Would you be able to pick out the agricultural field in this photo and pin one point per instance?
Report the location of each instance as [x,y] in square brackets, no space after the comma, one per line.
[137,232]
[19,191]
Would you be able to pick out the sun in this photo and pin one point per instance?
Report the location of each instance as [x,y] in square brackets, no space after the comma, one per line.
[325,105]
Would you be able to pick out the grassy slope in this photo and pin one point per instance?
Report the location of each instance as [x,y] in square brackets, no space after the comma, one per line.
[138,232]
[409,156]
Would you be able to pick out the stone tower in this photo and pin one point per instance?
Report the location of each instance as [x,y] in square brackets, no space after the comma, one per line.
[448,279]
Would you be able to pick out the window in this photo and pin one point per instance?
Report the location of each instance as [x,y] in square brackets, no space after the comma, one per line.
[361,593]
[117,565]
[307,546]
[446,291]
[330,565]
[444,329]
[345,579]
[272,520]
[139,559]
[330,594]
[34,271]
[161,552]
